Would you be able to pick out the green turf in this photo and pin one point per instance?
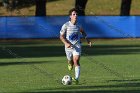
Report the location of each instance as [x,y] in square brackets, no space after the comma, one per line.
[110,66]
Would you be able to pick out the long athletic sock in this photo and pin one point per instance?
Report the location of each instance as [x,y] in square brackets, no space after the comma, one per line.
[77,72]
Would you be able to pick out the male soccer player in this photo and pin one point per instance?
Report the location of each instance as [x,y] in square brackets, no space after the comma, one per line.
[70,36]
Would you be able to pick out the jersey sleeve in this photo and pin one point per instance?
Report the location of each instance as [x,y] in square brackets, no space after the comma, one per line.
[63,29]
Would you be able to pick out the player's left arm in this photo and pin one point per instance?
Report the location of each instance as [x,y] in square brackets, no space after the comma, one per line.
[85,36]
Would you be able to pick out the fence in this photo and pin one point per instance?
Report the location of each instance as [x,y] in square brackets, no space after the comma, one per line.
[49,27]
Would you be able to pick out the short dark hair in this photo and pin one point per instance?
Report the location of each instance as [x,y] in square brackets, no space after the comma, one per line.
[73,9]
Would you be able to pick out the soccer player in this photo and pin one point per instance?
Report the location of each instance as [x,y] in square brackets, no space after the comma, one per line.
[70,36]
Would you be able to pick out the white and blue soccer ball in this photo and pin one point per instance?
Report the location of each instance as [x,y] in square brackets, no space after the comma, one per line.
[67,80]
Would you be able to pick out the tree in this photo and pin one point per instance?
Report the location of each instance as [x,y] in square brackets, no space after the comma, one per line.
[125,7]
[80,5]
[40,7]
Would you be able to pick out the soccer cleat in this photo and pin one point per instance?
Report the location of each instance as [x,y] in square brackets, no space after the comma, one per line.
[75,81]
[70,67]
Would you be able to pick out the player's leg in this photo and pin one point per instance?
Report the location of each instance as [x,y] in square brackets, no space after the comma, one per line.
[76,59]
[70,64]
[70,59]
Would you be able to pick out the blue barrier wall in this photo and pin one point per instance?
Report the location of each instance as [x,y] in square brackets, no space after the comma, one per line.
[49,27]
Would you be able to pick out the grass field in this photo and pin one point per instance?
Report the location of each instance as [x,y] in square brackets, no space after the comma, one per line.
[61,7]
[110,66]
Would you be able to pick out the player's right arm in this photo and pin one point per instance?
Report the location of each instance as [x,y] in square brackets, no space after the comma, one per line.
[63,36]
[65,41]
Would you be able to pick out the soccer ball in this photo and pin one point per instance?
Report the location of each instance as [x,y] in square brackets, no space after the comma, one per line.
[66,80]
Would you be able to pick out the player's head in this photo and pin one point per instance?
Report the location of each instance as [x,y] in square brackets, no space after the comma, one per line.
[73,14]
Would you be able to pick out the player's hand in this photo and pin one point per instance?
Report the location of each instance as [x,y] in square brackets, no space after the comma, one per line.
[89,43]
[68,45]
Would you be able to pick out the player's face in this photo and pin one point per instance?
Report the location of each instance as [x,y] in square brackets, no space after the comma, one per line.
[73,16]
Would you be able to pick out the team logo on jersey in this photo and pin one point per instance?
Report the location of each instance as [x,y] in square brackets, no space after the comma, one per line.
[73,37]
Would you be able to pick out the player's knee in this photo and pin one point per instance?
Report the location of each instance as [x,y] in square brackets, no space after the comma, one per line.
[76,60]
[76,63]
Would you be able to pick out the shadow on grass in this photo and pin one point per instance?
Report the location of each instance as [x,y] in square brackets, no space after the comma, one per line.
[57,50]
[93,91]
[131,80]
[129,86]
[22,63]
